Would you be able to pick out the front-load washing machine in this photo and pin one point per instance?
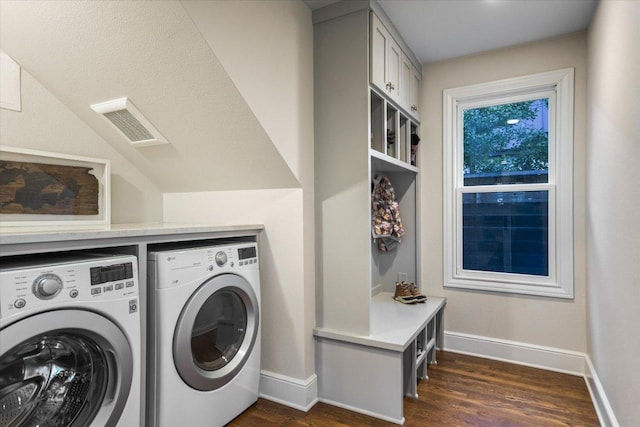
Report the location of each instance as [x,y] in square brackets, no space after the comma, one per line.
[204,349]
[70,341]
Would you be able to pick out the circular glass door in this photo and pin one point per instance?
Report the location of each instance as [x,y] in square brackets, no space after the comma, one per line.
[216,332]
[66,368]
[52,380]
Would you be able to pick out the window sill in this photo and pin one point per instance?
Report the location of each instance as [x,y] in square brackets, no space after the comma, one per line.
[552,291]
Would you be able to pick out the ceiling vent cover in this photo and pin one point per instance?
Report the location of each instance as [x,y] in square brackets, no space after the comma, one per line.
[130,122]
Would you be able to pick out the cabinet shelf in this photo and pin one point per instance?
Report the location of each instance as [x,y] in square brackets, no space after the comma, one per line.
[391,134]
[383,163]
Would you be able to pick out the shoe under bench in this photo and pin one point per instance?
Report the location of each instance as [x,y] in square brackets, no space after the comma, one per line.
[372,373]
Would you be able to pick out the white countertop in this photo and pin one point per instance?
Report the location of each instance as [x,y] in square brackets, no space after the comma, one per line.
[19,235]
[393,325]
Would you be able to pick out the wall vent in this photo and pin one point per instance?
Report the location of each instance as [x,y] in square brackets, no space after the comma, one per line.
[130,122]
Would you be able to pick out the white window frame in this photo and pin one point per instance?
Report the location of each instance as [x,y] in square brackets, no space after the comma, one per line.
[558,87]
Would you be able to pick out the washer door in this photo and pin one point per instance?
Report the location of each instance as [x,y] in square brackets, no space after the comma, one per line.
[216,332]
[63,368]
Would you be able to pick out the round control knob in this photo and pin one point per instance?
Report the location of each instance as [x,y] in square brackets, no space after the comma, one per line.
[221,258]
[47,286]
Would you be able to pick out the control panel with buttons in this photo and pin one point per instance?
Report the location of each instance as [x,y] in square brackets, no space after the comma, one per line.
[79,279]
[182,266]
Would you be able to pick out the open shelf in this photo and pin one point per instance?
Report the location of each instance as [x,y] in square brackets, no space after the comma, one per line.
[391,133]
[384,163]
[377,122]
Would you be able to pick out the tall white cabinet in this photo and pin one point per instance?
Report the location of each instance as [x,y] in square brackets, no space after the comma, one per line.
[370,349]
[386,60]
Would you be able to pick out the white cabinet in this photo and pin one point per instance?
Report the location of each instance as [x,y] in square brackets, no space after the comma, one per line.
[394,59]
[392,71]
[414,91]
[364,127]
[361,131]
[386,60]
[410,78]
[406,74]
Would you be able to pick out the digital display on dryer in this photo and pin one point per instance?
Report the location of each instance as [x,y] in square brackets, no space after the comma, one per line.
[244,253]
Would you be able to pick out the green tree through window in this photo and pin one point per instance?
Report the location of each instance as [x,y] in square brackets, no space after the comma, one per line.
[506,138]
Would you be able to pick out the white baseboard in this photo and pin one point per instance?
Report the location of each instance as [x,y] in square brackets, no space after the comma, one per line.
[288,391]
[600,402]
[551,359]
[303,394]
[362,411]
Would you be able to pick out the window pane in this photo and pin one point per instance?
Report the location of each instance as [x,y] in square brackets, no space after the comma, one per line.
[507,143]
[506,232]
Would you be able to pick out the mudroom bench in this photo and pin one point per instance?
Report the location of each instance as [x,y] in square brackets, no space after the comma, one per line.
[372,373]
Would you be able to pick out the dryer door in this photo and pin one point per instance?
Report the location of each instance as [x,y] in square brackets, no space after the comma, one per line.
[216,332]
[63,368]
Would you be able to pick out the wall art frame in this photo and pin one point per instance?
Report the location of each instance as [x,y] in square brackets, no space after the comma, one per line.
[51,190]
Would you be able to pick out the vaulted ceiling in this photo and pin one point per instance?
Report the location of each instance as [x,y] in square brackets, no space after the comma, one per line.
[85,52]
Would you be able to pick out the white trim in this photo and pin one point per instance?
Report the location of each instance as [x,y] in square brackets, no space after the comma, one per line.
[288,391]
[499,88]
[559,283]
[600,402]
[362,411]
[548,358]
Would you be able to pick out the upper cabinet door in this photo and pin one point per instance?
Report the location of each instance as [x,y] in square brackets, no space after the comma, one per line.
[394,61]
[410,78]
[386,57]
[406,74]
[379,42]
[414,108]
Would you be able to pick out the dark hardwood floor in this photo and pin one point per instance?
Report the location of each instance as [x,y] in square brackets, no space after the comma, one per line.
[461,391]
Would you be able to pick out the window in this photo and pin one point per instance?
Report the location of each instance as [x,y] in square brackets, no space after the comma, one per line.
[508,203]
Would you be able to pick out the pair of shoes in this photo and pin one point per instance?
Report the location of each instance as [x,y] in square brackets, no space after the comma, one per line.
[407,293]
[403,293]
[415,292]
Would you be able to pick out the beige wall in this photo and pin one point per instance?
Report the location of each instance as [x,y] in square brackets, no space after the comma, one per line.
[282,255]
[533,320]
[276,81]
[86,52]
[46,124]
[613,203]
[234,96]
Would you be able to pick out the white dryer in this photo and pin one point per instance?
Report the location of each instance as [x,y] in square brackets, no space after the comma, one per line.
[70,341]
[204,350]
